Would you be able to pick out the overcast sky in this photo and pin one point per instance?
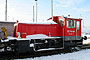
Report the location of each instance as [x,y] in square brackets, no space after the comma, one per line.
[22,10]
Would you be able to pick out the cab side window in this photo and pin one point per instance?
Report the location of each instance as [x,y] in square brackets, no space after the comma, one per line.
[78,25]
[70,23]
[61,21]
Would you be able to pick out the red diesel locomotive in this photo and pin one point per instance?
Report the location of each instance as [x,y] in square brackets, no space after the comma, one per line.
[63,33]
[66,32]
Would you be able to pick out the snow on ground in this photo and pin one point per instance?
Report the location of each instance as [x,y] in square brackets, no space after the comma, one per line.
[80,55]
[86,41]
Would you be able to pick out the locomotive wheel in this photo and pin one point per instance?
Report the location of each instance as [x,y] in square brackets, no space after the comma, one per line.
[75,49]
[71,49]
[34,47]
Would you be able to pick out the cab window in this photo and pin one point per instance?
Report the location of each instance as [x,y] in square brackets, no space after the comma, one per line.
[61,21]
[70,23]
[78,25]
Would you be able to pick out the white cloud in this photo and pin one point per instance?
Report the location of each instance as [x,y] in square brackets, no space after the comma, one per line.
[13,14]
[63,3]
[68,3]
[2,12]
[81,9]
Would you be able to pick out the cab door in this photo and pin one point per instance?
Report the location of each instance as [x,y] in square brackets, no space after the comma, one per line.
[78,29]
[70,29]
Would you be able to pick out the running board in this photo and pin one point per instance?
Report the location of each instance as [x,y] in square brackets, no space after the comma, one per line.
[49,49]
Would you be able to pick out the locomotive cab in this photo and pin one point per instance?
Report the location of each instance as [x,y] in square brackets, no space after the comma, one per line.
[69,30]
[72,29]
[72,32]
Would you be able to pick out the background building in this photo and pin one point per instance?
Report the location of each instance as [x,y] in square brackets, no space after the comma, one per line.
[9,26]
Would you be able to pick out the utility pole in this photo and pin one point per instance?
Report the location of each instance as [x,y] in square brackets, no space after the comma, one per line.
[52,8]
[83,24]
[6,11]
[33,13]
[36,10]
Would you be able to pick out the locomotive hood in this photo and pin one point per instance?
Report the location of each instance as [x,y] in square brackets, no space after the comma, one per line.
[56,18]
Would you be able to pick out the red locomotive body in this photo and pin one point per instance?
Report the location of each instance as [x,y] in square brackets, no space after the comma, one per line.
[68,28]
[31,29]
